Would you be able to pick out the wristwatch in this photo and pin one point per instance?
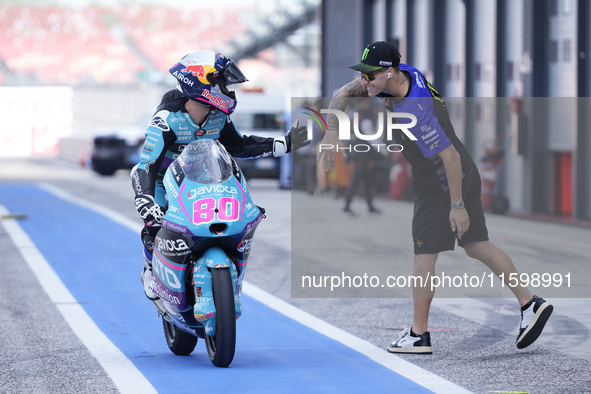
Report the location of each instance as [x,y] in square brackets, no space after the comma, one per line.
[459,204]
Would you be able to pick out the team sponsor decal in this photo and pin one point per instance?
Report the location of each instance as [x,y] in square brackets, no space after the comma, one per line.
[254,223]
[430,133]
[164,294]
[141,201]
[244,246]
[419,80]
[196,69]
[177,173]
[159,123]
[252,213]
[425,128]
[172,246]
[216,189]
[183,131]
[216,99]
[184,139]
[182,162]
[200,317]
[135,181]
[170,187]
[167,224]
[182,78]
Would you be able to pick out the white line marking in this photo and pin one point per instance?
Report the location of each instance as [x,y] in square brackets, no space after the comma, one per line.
[402,367]
[113,215]
[126,377]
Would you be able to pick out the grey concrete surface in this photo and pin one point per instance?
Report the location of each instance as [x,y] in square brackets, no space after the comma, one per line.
[39,353]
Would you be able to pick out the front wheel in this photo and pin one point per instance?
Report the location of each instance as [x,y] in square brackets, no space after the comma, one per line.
[178,341]
[221,345]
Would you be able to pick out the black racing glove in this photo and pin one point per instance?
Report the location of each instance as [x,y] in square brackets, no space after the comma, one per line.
[150,212]
[296,137]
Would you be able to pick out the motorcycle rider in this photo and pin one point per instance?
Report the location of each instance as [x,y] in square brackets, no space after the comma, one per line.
[200,107]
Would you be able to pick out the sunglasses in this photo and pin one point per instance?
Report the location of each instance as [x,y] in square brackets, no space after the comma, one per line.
[371,76]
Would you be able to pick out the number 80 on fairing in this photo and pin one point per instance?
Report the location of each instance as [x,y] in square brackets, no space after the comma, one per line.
[207,210]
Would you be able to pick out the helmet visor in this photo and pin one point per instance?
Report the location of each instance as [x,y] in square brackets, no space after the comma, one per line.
[232,73]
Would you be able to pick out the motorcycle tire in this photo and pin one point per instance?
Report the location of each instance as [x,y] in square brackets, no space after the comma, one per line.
[221,345]
[178,341]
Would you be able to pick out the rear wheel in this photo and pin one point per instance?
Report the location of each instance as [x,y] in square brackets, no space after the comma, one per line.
[221,346]
[179,342]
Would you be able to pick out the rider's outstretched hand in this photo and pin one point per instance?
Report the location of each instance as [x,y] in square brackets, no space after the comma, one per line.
[296,137]
[151,213]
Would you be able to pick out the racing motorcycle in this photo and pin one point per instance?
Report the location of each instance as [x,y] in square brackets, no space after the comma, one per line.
[201,251]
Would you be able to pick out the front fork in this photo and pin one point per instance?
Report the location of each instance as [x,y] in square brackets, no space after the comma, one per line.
[204,309]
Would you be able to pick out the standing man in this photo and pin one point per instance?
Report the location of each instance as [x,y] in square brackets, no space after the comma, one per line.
[447,186]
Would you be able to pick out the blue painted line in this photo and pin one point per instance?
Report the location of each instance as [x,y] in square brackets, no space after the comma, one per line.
[99,261]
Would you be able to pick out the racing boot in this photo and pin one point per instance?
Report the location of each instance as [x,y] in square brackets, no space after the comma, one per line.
[146,280]
[147,277]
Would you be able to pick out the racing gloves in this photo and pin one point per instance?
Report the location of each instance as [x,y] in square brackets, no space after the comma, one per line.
[295,138]
[150,212]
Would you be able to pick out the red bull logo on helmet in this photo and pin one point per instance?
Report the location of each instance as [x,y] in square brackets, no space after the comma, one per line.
[216,99]
[196,69]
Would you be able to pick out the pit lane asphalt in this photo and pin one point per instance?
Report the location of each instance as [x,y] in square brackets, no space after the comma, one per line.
[475,347]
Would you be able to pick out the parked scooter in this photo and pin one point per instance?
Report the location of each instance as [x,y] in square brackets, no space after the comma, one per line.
[201,251]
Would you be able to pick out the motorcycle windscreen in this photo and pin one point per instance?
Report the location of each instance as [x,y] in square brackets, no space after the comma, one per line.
[205,161]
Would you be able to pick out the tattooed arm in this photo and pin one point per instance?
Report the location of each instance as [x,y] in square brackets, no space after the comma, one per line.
[340,99]
[330,143]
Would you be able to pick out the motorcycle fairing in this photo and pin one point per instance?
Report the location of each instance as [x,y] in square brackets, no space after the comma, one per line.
[216,222]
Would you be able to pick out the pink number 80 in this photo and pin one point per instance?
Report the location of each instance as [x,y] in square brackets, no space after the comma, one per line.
[204,210]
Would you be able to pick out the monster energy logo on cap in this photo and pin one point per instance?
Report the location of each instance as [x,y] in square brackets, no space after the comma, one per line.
[376,56]
[365,52]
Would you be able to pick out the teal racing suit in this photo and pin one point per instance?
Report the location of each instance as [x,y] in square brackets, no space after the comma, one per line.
[169,131]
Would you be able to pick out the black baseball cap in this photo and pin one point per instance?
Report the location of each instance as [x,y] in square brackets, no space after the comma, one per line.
[378,55]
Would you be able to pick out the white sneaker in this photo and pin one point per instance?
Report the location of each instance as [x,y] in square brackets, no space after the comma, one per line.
[409,342]
[147,281]
[534,316]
